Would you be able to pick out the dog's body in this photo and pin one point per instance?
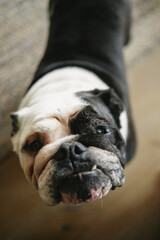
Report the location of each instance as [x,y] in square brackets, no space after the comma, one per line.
[73,131]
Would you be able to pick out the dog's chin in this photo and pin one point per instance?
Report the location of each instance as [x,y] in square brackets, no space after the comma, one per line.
[84,187]
[77,188]
[58,184]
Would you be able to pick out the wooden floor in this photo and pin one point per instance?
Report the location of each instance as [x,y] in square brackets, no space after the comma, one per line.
[128,213]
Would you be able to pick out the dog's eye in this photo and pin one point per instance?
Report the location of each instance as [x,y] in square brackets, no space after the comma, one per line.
[102,130]
[35,146]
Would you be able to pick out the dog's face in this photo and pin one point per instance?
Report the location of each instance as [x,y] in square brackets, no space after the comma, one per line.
[73,153]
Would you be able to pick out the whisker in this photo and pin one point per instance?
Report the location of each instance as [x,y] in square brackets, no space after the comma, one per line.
[34,192]
[102,205]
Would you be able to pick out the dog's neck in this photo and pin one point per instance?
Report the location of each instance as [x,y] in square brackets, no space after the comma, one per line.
[63,83]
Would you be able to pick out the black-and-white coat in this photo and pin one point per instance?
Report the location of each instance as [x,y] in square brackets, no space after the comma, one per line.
[73,130]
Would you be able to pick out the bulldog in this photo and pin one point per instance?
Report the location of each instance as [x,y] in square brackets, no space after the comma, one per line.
[73,131]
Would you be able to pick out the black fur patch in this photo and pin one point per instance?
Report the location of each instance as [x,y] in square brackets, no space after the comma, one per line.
[104,101]
[86,124]
[15,124]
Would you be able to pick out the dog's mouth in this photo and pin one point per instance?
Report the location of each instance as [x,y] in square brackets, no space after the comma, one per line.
[92,179]
[84,186]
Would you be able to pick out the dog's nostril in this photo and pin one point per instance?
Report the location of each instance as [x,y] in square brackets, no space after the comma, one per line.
[69,150]
[62,153]
[77,148]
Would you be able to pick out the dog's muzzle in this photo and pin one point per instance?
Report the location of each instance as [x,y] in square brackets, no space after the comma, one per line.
[78,174]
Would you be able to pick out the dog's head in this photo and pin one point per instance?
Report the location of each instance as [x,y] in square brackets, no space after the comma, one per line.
[75,152]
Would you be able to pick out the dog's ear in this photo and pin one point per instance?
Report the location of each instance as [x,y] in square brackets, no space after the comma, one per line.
[16,118]
[113,102]
[15,124]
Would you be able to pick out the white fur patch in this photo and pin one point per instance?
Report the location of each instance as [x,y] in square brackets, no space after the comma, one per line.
[54,96]
[61,81]
[124,125]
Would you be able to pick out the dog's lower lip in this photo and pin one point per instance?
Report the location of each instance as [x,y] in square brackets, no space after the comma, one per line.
[73,188]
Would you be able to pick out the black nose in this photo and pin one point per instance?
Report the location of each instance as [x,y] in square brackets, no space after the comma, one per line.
[71,151]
